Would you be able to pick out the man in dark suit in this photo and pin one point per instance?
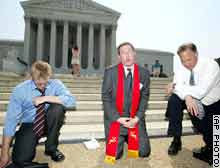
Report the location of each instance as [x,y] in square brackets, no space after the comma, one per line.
[125,93]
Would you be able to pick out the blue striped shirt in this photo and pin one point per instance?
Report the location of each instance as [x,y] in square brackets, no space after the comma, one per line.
[21,108]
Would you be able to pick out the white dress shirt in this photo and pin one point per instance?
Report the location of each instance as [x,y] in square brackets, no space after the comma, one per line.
[207,81]
[126,70]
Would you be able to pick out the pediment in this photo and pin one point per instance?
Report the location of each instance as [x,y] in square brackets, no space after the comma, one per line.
[84,6]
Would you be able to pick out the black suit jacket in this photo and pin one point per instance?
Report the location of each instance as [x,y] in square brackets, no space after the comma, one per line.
[109,88]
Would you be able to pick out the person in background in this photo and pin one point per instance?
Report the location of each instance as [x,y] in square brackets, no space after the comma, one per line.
[75,61]
[146,66]
[156,69]
[125,93]
[196,88]
[38,105]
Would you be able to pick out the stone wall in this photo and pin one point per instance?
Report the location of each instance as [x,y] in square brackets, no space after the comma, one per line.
[10,50]
[145,56]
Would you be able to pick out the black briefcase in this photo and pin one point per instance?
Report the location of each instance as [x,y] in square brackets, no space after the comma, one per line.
[29,165]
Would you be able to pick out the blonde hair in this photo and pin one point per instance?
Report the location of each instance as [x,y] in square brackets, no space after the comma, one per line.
[41,69]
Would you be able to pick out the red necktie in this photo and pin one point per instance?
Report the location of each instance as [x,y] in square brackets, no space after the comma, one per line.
[40,118]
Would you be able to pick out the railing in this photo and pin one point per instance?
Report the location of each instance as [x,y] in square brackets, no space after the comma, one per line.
[22,61]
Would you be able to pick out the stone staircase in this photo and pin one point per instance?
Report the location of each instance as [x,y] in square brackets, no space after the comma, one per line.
[86,120]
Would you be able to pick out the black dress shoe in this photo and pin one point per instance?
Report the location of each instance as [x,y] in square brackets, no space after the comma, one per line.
[205,154]
[56,156]
[174,147]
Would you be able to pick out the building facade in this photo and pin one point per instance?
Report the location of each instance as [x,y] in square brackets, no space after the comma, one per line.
[148,57]
[53,27]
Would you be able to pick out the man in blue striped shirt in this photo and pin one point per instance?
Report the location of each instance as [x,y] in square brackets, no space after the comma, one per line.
[23,109]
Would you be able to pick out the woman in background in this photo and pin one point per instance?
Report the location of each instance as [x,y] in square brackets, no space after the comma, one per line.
[75,62]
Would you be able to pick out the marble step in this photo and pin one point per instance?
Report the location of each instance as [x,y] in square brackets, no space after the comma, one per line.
[63,76]
[98,91]
[96,117]
[87,90]
[85,132]
[14,82]
[87,81]
[92,97]
[79,85]
[97,130]
[69,80]
[97,105]
[70,76]
[6,75]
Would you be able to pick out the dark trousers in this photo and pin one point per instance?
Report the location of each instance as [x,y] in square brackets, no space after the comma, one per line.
[24,148]
[144,142]
[205,126]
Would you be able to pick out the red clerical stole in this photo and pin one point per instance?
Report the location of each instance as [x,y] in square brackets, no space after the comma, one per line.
[133,138]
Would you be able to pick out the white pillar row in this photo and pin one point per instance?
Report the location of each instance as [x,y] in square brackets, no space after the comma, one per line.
[40,39]
[65,45]
[27,39]
[79,39]
[91,46]
[53,38]
[113,45]
[102,47]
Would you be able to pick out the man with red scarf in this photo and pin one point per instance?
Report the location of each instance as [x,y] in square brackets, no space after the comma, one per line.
[125,93]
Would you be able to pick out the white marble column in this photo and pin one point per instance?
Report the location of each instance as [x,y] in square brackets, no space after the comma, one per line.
[53,38]
[91,46]
[102,47]
[113,45]
[27,38]
[79,39]
[40,39]
[65,44]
